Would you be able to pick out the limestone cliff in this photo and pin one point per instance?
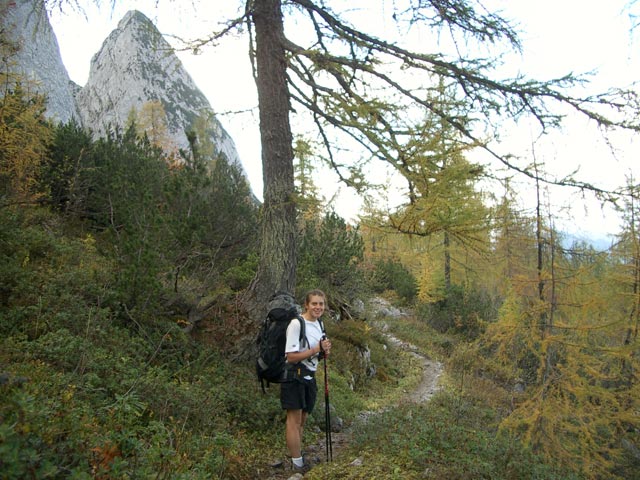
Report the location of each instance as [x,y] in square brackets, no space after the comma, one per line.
[38,59]
[135,73]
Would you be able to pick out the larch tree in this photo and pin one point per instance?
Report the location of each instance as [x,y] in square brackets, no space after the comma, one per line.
[25,134]
[441,188]
[367,92]
[310,202]
[513,244]
[355,86]
[278,255]
[563,338]
[152,121]
[630,242]
[627,279]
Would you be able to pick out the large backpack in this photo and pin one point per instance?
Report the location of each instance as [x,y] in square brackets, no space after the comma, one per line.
[271,362]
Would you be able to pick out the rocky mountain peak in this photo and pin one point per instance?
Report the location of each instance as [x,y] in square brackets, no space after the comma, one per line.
[136,70]
[134,75]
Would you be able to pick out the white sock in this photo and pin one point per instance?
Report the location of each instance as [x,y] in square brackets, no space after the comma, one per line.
[298,462]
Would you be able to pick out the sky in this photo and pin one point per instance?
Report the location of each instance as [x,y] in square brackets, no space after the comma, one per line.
[558,37]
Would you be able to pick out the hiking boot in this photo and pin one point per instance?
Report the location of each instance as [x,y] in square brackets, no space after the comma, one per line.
[302,470]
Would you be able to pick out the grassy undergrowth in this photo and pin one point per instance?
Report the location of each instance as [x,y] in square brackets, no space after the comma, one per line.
[107,404]
[90,389]
[454,436]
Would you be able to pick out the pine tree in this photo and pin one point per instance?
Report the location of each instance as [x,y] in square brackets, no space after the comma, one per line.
[64,172]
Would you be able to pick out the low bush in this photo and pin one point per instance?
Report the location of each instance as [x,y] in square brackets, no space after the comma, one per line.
[390,274]
[462,311]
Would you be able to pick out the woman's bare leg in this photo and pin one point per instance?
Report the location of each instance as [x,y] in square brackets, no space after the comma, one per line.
[293,431]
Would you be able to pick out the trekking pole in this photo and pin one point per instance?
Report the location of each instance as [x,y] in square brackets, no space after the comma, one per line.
[327,412]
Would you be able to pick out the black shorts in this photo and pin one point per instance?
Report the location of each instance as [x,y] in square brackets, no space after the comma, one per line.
[299,395]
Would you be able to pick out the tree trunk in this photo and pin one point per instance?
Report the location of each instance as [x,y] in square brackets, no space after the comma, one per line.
[447,262]
[277,265]
[634,314]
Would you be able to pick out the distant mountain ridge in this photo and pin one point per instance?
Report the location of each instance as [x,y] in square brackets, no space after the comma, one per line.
[134,68]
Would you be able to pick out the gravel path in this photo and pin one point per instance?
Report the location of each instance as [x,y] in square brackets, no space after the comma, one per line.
[431,372]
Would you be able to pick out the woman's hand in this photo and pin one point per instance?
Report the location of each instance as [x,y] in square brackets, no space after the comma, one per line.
[325,346]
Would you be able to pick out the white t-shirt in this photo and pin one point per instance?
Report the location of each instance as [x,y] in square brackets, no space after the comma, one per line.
[314,334]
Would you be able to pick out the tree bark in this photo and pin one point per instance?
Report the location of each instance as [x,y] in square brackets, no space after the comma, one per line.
[277,265]
[447,262]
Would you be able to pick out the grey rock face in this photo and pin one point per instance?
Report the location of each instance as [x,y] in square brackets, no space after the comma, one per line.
[38,59]
[136,66]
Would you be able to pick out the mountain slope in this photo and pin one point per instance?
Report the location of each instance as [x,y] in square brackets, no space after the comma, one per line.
[136,67]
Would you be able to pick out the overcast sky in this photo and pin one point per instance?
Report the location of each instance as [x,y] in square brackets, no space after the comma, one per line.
[558,36]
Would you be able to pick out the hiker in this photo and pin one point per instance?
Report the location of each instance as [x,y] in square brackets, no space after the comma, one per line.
[298,397]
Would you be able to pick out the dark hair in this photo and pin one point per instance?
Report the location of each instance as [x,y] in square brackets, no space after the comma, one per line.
[313,292]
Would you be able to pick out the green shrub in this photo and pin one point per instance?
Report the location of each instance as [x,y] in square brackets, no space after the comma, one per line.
[239,276]
[330,253]
[450,438]
[463,311]
[390,274]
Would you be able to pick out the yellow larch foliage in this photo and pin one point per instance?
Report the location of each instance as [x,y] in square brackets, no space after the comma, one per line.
[429,278]
[24,137]
[577,402]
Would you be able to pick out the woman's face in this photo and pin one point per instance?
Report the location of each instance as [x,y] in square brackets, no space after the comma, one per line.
[315,306]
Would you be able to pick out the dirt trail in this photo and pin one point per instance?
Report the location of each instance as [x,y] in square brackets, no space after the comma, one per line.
[431,372]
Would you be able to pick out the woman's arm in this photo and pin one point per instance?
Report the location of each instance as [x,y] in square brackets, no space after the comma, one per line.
[323,345]
[295,357]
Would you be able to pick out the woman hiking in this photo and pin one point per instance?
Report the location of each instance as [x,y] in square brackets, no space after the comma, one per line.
[298,397]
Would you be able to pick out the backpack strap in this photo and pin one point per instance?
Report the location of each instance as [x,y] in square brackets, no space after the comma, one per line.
[303,332]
